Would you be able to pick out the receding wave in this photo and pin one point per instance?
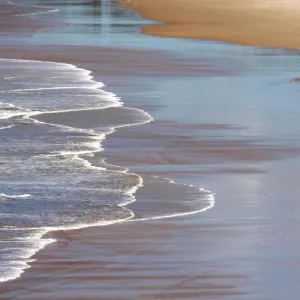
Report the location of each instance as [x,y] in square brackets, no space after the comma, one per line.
[14,196]
[58,117]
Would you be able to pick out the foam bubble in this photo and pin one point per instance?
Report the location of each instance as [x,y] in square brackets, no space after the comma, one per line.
[14,196]
[6,127]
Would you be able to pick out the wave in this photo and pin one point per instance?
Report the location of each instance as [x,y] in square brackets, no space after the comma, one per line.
[17,114]
[120,185]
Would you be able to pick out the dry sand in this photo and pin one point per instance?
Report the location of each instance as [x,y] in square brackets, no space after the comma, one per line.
[269,23]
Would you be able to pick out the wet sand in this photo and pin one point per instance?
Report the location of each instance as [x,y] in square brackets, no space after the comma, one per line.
[244,248]
[260,23]
[132,261]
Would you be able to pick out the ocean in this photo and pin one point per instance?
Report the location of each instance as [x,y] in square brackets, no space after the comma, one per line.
[53,117]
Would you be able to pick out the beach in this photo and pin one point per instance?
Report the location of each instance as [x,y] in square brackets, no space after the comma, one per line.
[177,157]
[269,23]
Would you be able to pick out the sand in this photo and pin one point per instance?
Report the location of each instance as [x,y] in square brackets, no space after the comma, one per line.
[262,23]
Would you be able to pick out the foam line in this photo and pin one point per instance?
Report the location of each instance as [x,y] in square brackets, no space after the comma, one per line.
[73,155]
[41,242]
[14,196]
[211,204]
[49,9]
[6,127]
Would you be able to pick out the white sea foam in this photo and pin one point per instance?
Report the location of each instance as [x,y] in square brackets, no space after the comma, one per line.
[96,86]
[14,196]
[111,166]
[6,127]
[8,110]
[51,10]
[8,77]
[18,266]
[46,9]
[210,204]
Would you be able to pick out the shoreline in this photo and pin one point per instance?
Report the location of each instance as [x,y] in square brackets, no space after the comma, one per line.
[58,114]
[195,257]
[242,22]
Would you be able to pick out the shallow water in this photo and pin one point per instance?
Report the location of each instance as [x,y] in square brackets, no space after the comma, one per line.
[53,117]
